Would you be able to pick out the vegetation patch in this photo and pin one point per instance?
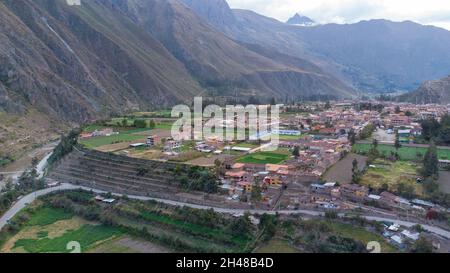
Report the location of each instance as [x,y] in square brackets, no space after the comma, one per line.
[47,216]
[87,236]
[399,177]
[405,153]
[277,246]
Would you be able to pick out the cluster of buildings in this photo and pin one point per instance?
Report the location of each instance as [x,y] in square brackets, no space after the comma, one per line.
[99,133]
[334,194]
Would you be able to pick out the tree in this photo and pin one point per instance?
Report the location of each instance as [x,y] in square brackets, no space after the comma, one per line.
[273,101]
[256,192]
[430,128]
[219,168]
[398,110]
[406,190]
[352,137]
[422,246]
[268,223]
[397,144]
[152,124]
[241,225]
[296,152]
[355,172]
[431,162]
[327,105]
[140,123]
[124,122]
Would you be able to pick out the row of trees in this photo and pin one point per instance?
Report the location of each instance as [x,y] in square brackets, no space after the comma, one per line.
[27,183]
[65,146]
[138,123]
[196,179]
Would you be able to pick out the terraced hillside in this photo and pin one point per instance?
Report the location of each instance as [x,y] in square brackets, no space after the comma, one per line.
[120,174]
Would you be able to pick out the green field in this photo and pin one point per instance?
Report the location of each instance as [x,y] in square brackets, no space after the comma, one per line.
[48,216]
[405,153]
[87,236]
[277,157]
[48,230]
[95,142]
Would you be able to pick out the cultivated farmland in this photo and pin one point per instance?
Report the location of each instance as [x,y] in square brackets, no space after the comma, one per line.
[406,153]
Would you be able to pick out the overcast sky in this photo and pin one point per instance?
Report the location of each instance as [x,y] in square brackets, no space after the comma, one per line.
[428,12]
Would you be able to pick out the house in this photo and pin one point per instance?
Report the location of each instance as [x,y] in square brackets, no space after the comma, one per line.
[237,176]
[423,203]
[272,181]
[388,198]
[444,164]
[137,145]
[153,140]
[172,145]
[238,166]
[241,149]
[411,235]
[86,135]
[397,240]
[274,168]
[246,186]
[104,132]
[318,188]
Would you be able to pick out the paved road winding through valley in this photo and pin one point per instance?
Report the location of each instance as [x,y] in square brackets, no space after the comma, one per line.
[26,200]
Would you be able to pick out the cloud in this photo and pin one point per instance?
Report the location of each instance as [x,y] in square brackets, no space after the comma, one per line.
[432,12]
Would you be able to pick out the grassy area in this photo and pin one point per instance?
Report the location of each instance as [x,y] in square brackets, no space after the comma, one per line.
[405,153]
[277,157]
[195,229]
[392,174]
[87,236]
[96,142]
[277,246]
[48,216]
[164,125]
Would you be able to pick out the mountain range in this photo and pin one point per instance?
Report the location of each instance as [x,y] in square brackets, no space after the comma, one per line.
[109,56]
[371,56]
[78,63]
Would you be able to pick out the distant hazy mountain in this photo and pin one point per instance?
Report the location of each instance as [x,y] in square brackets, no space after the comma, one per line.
[374,56]
[436,91]
[300,20]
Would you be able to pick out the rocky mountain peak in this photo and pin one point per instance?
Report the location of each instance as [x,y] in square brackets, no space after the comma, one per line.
[300,20]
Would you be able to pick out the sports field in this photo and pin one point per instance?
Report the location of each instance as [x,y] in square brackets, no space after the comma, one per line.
[265,158]
[405,153]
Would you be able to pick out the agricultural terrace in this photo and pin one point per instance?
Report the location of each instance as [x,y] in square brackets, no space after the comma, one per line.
[276,157]
[406,153]
[129,226]
[132,226]
[398,177]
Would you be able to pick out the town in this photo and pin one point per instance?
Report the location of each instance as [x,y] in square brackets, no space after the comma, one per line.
[335,157]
